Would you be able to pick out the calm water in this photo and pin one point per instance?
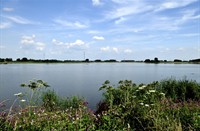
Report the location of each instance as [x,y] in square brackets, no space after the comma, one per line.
[85,79]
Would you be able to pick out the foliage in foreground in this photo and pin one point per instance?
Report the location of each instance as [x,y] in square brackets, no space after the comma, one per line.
[163,105]
[146,107]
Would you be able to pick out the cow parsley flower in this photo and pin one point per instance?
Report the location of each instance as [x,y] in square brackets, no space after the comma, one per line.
[142,103]
[152,91]
[18,94]
[23,100]
[141,87]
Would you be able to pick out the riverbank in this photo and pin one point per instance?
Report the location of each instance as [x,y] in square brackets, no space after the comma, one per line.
[154,61]
[165,105]
[78,62]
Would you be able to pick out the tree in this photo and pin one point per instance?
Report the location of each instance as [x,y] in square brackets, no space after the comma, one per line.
[156,60]
[98,60]
[9,59]
[18,59]
[147,60]
[177,60]
[24,59]
[2,59]
[87,60]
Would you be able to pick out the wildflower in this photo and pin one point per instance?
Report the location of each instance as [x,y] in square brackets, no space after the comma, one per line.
[162,94]
[141,103]
[18,94]
[22,100]
[152,91]
[142,87]
[32,122]
[146,105]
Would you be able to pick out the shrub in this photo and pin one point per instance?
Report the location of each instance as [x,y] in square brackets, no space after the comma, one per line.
[156,106]
[125,107]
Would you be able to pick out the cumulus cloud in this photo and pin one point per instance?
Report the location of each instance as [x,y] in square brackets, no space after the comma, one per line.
[98,38]
[29,42]
[96,2]
[28,39]
[6,9]
[109,49]
[68,45]
[76,43]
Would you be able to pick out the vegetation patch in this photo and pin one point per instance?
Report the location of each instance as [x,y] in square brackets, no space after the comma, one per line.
[166,105]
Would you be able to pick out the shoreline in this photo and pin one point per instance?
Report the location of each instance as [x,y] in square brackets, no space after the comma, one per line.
[91,62]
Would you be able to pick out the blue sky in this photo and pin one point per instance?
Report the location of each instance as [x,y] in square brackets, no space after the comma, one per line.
[103,29]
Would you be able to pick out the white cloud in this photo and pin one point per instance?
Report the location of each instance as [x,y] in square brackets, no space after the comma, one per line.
[170,4]
[93,32]
[5,25]
[128,51]
[18,20]
[76,43]
[28,39]
[109,49]
[8,9]
[56,42]
[98,38]
[96,2]
[29,42]
[135,7]
[75,24]
[189,15]
[68,45]
[115,49]
[120,20]
[40,46]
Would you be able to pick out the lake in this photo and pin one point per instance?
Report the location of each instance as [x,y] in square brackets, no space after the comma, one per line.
[84,79]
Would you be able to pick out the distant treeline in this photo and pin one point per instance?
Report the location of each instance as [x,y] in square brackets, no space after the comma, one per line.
[155,60]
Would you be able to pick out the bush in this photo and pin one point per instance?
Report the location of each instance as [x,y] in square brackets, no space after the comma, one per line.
[156,106]
[164,105]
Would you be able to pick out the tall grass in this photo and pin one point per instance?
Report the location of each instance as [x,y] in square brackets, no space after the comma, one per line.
[180,90]
[165,105]
[51,101]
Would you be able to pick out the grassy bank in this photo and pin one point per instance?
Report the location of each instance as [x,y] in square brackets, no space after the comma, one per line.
[169,104]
